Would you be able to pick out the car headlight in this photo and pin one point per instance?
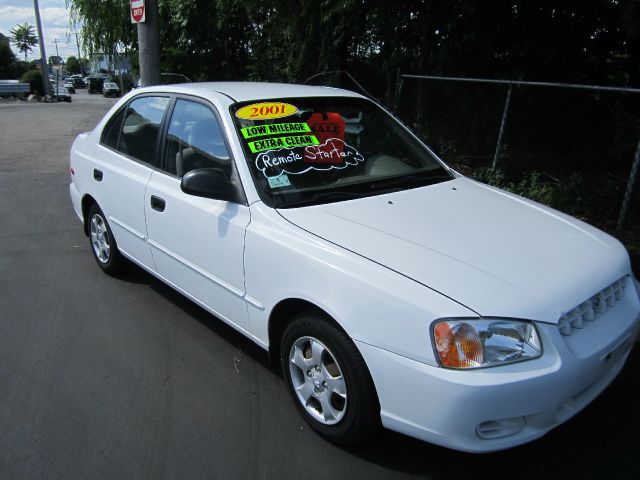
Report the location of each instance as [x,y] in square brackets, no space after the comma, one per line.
[477,343]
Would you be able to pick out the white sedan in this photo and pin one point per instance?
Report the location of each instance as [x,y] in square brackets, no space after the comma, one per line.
[393,290]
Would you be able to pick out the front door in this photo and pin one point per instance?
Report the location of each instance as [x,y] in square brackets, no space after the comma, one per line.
[198,243]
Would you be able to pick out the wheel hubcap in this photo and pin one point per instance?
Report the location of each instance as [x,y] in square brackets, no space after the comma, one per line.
[100,238]
[317,380]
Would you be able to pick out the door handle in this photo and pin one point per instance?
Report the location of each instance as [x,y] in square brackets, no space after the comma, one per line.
[158,203]
[97,174]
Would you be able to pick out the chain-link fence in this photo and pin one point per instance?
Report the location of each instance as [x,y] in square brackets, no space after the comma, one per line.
[571,146]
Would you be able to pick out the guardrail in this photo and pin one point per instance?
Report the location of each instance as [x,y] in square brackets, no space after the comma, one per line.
[14,88]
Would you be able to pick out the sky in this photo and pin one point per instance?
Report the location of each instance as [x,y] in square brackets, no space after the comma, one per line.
[55,25]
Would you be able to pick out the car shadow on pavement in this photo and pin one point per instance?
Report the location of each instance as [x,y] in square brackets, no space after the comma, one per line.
[598,441]
[139,276]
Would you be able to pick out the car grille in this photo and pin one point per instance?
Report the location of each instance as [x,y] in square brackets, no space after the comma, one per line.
[590,310]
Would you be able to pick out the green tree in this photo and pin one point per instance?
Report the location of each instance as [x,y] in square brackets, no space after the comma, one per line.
[24,37]
[34,79]
[106,24]
[7,59]
[290,40]
[73,65]
[205,39]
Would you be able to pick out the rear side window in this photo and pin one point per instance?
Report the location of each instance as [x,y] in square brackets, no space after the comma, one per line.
[111,132]
[136,134]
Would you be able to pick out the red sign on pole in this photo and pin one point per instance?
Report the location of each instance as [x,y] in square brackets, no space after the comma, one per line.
[137,11]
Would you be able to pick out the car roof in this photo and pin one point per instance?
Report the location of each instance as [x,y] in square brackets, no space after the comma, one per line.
[243,91]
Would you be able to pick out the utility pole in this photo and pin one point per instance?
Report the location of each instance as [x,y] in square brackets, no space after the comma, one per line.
[43,54]
[56,41]
[149,44]
[119,63]
[79,57]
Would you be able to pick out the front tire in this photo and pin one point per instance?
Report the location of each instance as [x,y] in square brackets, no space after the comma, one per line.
[328,380]
[103,244]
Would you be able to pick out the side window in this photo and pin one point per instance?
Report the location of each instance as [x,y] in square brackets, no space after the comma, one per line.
[140,128]
[194,140]
[112,130]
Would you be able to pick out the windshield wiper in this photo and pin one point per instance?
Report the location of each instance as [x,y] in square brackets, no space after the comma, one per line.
[383,185]
[408,181]
[331,195]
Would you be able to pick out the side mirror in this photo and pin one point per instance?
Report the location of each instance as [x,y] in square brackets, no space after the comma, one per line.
[208,183]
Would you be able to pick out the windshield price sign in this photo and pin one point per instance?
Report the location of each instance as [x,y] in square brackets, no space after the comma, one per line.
[137,11]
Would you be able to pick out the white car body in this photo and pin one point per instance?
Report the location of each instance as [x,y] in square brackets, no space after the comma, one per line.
[385,268]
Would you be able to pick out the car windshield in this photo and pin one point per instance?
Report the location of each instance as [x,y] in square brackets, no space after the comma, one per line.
[318,150]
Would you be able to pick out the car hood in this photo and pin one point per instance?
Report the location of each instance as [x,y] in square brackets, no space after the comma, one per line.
[495,253]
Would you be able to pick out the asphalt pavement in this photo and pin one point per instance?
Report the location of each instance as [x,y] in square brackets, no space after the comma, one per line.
[124,378]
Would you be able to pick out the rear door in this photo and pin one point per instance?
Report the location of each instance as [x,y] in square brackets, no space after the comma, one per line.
[121,170]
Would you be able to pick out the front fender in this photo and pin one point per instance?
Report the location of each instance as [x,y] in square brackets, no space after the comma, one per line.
[372,303]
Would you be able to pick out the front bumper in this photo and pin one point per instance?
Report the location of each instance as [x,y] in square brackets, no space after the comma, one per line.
[449,407]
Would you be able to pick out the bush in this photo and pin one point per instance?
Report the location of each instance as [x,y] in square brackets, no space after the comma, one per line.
[595,199]
[34,79]
[540,187]
[21,68]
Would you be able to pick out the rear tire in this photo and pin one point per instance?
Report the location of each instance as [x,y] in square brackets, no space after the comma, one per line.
[103,244]
[328,380]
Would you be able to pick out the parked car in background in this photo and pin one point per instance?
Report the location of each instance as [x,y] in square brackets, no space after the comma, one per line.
[95,85]
[173,78]
[168,79]
[393,290]
[68,84]
[111,89]
[78,82]
[61,94]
